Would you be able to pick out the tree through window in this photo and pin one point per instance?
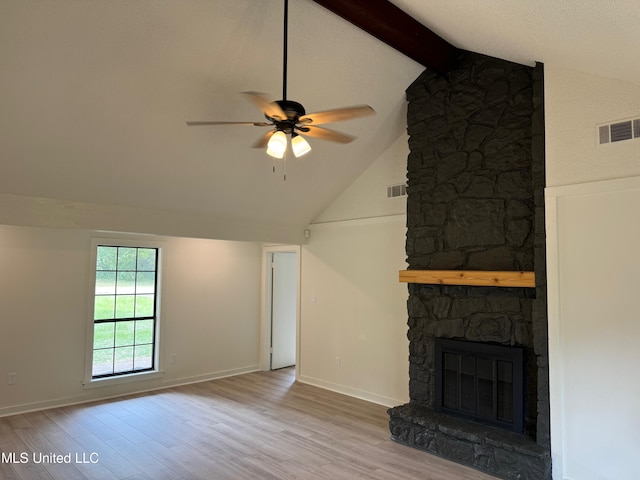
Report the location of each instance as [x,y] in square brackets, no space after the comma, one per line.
[124,330]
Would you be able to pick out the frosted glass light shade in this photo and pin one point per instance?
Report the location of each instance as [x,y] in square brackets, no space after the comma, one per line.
[300,146]
[277,145]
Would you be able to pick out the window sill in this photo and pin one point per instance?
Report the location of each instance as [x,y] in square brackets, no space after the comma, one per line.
[134,377]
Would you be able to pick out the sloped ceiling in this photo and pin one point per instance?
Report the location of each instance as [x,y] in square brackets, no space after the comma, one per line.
[94,94]
[593,36]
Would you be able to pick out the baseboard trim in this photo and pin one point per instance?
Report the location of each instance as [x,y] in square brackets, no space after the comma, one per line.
[351,392]
[131,389]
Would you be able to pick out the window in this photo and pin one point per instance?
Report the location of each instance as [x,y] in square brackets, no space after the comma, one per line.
[124,313]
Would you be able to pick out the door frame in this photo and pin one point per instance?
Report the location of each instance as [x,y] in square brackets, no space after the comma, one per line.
[265,310]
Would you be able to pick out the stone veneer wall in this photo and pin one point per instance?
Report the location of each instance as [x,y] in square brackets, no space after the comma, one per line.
[476,202]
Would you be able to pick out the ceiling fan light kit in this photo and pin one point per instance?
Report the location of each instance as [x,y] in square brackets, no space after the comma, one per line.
[290,118]
[277,145]
[299,145]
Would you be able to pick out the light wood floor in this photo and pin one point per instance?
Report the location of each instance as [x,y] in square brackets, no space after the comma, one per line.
[255,426]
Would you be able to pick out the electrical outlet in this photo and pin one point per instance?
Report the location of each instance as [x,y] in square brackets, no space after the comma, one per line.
[172,359]
[12,378]
[338,361]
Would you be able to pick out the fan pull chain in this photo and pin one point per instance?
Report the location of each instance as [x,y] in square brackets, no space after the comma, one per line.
[284,176]
[284,167]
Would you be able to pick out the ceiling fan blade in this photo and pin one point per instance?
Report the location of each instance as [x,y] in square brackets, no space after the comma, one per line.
[337,114]
[326,134]
[199,123]
[263,140]
[270,108]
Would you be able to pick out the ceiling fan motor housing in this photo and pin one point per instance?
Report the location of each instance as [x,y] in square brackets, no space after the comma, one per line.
[293,111]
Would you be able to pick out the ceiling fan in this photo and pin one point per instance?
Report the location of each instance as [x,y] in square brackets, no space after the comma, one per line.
[290,118]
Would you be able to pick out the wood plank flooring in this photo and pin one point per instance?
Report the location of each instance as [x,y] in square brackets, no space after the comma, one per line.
[256,426]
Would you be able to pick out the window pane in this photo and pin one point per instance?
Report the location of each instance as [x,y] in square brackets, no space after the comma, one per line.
[126,283]
[104,307]
[126,258]
[124,333]
[125,289]
[102,362]
[144,331]
[146,282]
[147,259]
[124,306]
[123,357]
[103,335]
[105,283]
[143,357]
[106,258]
[144,305]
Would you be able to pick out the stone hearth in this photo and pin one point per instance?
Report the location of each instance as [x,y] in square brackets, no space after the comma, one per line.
[486,448]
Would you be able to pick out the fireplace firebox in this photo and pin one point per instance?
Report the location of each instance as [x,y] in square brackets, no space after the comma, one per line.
[479,381]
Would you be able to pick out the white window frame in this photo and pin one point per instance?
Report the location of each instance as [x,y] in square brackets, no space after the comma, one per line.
[158,371]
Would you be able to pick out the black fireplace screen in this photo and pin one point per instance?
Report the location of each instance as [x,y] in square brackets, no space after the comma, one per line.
[480,381]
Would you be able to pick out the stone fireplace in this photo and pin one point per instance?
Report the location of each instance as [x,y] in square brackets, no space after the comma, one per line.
[476,202]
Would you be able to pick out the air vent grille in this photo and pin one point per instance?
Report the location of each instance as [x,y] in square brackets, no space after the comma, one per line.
[619,131]
[399,190]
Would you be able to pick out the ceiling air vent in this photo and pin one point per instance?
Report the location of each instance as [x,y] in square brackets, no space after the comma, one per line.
[619,131]
[399,190]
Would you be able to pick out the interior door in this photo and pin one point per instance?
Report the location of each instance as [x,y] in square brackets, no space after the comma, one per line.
[283,309]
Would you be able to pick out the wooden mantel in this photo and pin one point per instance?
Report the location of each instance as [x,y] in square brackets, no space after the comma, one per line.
[469,277]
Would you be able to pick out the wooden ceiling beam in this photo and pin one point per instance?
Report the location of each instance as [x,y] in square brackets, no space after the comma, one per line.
[388,23]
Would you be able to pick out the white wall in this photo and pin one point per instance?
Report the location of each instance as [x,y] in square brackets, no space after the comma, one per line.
[575,103]
[367,196]
[352,305]
[593,260]
[209,312]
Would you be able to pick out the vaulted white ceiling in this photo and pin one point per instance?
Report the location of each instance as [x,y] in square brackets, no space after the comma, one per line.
[593,36]
[94,94]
